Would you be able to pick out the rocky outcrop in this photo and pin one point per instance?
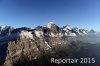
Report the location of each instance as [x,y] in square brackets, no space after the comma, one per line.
[32,49]
[31,43]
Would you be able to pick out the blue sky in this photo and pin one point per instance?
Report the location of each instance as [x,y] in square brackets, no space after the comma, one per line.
[31,13]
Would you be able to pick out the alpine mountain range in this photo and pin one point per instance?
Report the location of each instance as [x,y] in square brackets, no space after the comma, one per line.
[15,42]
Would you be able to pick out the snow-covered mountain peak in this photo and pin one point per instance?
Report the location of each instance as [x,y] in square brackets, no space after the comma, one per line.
[3,27]
[49,25]
[67,27]
[40,31]
[6,27]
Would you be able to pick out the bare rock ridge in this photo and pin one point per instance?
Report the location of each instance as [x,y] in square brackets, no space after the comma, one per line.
[32,42]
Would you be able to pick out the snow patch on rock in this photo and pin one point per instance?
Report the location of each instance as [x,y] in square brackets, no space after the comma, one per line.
[60,34]
[70,34]
[38,33]
[26,34]
[52,34]
[47,46]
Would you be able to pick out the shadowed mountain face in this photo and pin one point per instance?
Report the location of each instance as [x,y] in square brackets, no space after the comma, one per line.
[27,47]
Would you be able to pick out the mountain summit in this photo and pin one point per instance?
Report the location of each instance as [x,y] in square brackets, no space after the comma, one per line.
[18,42]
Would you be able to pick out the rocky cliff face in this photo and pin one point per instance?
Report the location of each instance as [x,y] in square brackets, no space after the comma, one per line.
[31,43]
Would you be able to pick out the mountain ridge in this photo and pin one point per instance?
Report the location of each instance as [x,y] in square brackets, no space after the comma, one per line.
[32,42]
[68,30]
